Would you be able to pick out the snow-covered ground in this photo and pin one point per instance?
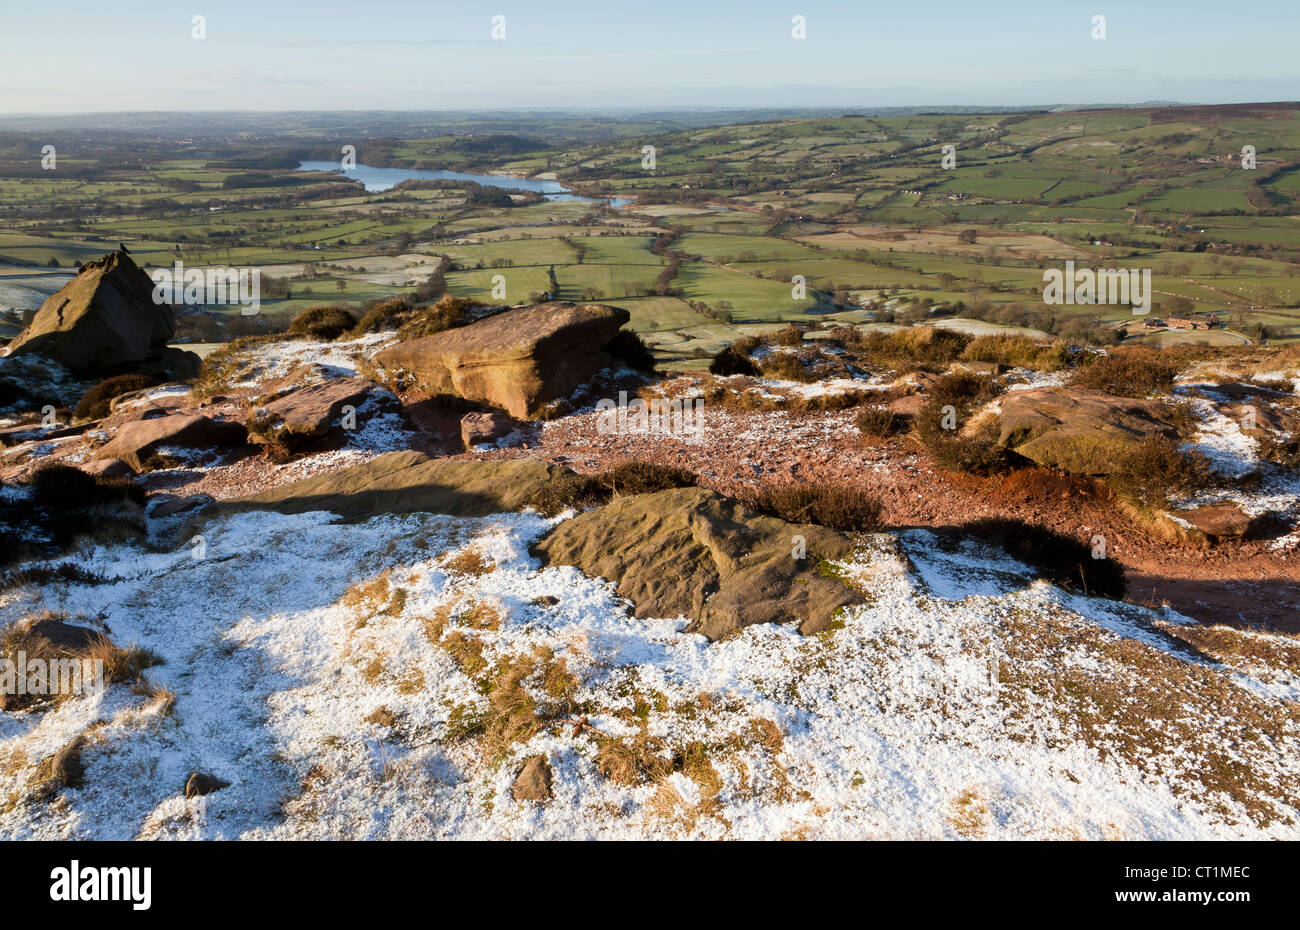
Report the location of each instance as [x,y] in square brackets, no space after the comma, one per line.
[339,359]
[963,699]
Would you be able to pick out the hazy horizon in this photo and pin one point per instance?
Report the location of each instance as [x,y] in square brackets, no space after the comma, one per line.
[398,56]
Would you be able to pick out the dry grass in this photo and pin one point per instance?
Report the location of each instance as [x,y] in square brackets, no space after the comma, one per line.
[970,814]
[1143,711]
[466,650]
[633,760]
[469,562]
[1017,351]
[1239,648]
[767,734]
[366,597]
[382,717]
[221,368]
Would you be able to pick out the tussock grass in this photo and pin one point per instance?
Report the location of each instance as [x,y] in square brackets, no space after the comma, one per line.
[633,760]
[1017,351]
[916,348]
[468,562]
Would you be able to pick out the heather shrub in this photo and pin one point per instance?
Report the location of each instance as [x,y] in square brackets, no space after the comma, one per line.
[1129,373]
[1154,470]
[731,361]
[97,401]
[833,504]
[582,491]
[323,322]
[877,421]
[448,313]
[790,336]
[631,350]
[939,427]
[385,315]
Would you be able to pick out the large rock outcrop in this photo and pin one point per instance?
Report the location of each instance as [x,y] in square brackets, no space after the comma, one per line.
[518,360]
[1080,431]
[104,318]
[694,552]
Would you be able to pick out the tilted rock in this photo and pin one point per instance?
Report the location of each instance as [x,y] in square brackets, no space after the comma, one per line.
[104,317]
[410,482]
[1080,431]
[694,552]
[518,360]
[306,415]
[137,441]
[1261,415]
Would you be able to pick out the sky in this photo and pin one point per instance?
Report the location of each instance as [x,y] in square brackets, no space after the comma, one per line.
[129,55]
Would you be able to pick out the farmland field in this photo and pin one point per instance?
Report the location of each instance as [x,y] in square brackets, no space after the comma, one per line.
[737,225]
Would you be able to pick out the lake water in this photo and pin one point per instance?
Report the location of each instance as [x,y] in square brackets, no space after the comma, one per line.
[376,180]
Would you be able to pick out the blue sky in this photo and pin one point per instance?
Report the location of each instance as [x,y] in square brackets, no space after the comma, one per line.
[77,56]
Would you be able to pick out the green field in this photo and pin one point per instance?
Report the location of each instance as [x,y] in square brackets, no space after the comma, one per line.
[742,208]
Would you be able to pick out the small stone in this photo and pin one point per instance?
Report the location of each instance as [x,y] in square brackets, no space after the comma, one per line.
[199,784]
[534,781]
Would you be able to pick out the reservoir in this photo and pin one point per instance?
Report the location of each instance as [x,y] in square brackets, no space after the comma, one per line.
[382,179]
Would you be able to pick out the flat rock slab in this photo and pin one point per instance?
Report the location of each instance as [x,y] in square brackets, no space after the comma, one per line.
[307,414]
[518,360]
[410,482]
[135,442]
[1080,431]
[694,552]
[1219,520]
[108,468]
